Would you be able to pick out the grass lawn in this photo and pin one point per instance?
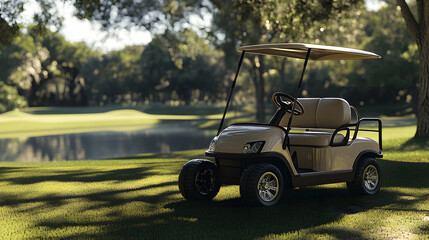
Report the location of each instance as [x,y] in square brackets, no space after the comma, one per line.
[138,198]
[42,121]
[56,121]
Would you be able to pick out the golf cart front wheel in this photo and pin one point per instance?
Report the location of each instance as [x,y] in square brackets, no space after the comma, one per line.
[261,184]
[367,179]
[198,180]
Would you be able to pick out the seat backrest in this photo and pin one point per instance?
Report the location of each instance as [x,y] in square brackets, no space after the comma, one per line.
[329,113]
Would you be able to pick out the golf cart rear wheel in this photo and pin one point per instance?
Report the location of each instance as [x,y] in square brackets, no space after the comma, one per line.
[198,180]
[261,184]
[367,179]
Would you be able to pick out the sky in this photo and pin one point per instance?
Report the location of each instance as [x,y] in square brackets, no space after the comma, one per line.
[75,30]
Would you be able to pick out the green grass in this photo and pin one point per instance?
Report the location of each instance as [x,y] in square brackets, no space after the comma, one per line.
[138,197]
[23,124]
[42,121]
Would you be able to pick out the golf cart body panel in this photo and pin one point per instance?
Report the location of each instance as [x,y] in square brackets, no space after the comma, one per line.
[312,165]
[234,137]
[332,158]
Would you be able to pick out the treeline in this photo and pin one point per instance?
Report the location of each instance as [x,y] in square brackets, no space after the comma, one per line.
[183,68]
[48,71]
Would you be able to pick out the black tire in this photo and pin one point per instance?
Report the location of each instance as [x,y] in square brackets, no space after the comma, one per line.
[367,178]
[255,184]
[198,180]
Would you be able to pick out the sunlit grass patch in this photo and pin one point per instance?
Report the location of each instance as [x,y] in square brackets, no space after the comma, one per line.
[21,124]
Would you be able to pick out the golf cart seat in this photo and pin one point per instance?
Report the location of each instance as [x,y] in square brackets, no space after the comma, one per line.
[320,116]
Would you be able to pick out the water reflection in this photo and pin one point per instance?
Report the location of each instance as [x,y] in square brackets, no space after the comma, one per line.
[99,145]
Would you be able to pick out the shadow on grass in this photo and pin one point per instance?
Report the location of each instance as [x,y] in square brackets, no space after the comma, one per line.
[5,170]
[415,144]
[169,217]
[150,109]
[425,228]
[404,174]
[190,154]
[405,122]
[305,208]
[108,198]
[411,145]
[79,176]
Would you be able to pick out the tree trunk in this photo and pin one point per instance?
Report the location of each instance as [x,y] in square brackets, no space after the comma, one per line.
[84,101]
[32,100]
[423,102]
[260,92]
[257,73]
[282,72]
[419,31]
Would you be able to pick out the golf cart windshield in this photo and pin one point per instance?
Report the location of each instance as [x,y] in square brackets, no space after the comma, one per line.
[300,50]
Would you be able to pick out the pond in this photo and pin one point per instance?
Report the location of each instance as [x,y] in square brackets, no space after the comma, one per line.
[163,138]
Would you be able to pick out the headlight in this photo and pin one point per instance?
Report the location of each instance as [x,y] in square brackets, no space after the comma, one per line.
[212,144]
[253,147]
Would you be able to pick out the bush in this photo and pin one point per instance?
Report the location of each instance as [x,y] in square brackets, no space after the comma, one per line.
[9,98]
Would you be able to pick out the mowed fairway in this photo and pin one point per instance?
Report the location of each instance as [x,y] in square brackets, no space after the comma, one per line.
[63,120]
[138,198]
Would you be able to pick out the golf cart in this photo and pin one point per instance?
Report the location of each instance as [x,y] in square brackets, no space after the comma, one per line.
[308,141]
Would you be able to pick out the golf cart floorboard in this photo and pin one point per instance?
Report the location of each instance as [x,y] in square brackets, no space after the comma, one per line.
[304,170]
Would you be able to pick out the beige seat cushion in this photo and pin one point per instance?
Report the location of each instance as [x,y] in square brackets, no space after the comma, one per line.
[317,139]
[327,113]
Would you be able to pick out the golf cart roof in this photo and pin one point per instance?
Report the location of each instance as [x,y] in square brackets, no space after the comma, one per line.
[299,50]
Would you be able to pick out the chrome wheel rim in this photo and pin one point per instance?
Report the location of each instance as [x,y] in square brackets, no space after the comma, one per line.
[205,181]
[370,177]
[268,187]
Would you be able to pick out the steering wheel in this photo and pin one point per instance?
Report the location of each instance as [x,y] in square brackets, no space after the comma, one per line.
[287,104]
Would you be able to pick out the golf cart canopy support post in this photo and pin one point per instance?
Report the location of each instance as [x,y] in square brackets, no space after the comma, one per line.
[298,91]
[230,92]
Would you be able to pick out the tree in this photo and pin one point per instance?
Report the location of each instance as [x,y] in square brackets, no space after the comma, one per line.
[8,27]
[29,71]
[68,58]
[114,77]
[418,28]
[9,32]
[45,69]
[180,66]
[388,80]
[10,12]
[9,98]
[279,21]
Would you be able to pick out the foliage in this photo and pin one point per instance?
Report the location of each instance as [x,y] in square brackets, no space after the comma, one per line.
[46,69]
[112,78]
[279,21]
[8,27]
[165,70]
[44,14]
[9,32]
[9,98]
[391,79]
